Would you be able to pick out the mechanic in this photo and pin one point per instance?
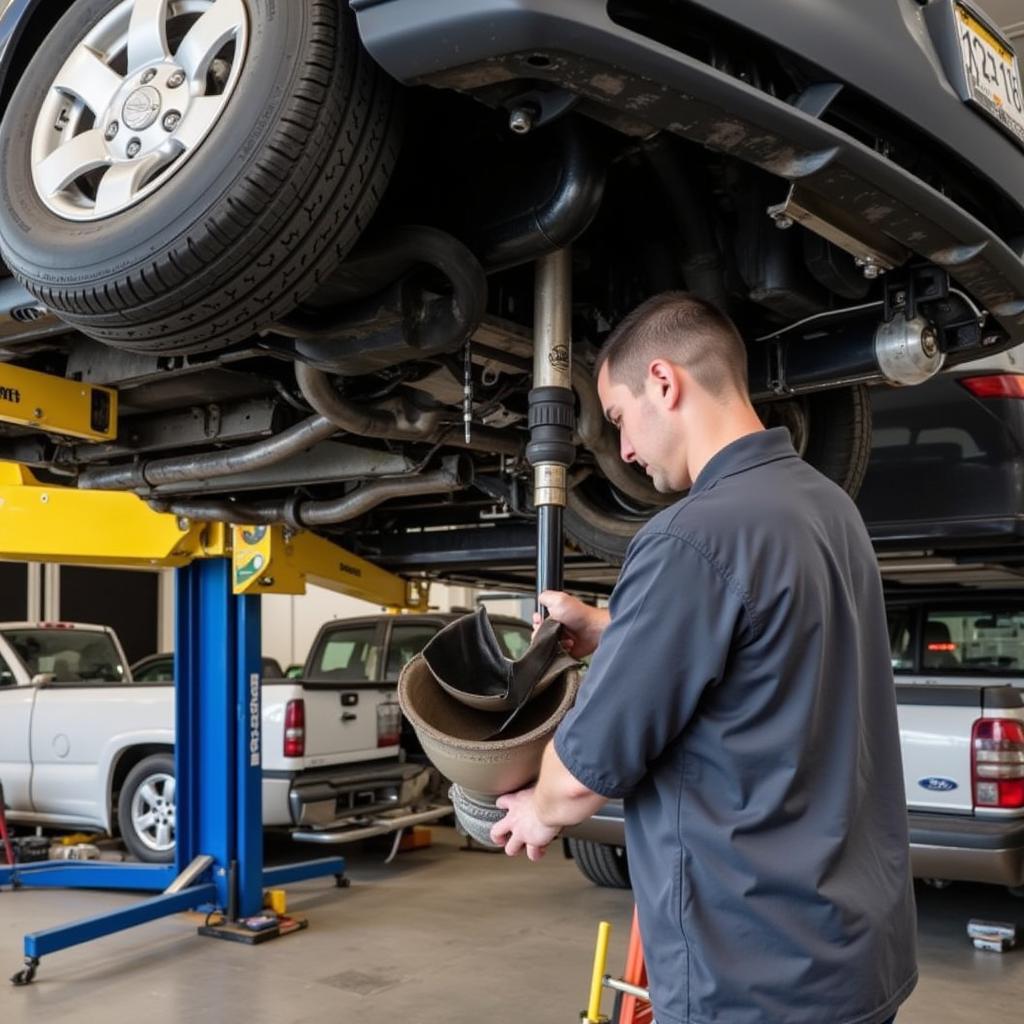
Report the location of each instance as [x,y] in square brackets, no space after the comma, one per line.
[741,701]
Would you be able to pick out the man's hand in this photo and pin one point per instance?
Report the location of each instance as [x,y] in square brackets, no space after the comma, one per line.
[521,827]
[582,625]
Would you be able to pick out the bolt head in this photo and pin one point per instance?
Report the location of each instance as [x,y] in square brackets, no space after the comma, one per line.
[171,120]
[929,343]
[521,120]
[37,413]
[175,78]
[148,75]
[133,148]
[112,129]
[183,522]
[783,223]
[871,271]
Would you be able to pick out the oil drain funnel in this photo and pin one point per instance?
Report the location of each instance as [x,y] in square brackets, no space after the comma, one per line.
[484,719]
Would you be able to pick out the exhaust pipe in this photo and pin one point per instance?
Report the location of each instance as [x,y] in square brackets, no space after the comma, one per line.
[141,476]
[456,473]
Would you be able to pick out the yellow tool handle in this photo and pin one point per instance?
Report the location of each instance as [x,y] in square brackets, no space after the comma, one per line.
[604,930]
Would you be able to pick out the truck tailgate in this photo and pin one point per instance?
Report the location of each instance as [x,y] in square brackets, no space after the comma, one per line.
[340,722]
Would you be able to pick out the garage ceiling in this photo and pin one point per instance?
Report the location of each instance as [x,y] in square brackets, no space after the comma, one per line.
[1008,13]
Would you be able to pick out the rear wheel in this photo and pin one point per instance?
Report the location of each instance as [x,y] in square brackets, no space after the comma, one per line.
[178,175]
[830,429]
[601,863]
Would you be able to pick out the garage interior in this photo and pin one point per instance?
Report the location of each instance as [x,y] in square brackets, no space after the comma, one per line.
[270,575]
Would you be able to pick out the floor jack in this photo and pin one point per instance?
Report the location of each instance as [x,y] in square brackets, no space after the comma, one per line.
[632,999]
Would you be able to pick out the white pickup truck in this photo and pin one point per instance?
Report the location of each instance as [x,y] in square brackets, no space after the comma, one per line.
[82,745]
[958,661]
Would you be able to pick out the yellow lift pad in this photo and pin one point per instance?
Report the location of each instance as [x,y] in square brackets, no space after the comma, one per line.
[39,400]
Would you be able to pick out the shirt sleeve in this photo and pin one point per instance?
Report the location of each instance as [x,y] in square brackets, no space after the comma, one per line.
[674,618]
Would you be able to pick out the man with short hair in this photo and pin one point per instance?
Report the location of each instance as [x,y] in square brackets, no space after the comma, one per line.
[741,701]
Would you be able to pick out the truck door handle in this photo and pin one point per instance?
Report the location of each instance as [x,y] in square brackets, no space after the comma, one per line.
[349,716]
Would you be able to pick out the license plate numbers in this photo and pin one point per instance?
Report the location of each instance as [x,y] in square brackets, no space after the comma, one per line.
[992,73]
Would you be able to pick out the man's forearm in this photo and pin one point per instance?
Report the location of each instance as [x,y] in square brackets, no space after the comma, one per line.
[560,798]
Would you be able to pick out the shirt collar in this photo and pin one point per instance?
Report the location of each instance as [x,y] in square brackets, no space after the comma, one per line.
[744,453]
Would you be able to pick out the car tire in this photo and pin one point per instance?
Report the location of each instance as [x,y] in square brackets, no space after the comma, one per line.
[837,432]
[274,182]
[148,789]
[601,863]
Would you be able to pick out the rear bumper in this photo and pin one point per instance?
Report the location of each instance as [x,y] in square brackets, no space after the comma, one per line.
[967,849]
[338,797]
[963,849]
[641,86]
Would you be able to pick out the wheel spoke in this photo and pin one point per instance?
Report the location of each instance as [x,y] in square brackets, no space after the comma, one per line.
[202,112]
[83,153]
[119,187]
[147,33]
[144,821]
[207,36]
[169,790]
[147,791]
[164,836]
[86,76]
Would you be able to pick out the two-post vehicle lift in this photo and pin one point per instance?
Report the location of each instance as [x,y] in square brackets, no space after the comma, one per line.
[220,573]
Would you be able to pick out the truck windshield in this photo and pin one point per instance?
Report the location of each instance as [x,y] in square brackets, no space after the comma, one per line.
[67,654]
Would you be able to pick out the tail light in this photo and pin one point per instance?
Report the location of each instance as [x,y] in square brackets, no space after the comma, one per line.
[389,725]
[997,762]
[995,385]
[295,729]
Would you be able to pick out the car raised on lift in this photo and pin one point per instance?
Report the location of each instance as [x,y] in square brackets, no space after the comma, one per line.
[298,237]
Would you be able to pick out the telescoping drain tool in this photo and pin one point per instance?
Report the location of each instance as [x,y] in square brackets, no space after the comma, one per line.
[552,412]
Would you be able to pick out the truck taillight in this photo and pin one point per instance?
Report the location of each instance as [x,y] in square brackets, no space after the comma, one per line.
[997,762]
[995,385]
[295,729]
[389,725]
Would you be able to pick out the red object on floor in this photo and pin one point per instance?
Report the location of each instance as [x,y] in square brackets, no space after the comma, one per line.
[4,835]
[633,1010]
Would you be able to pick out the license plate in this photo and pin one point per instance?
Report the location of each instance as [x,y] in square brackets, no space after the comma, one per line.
[992,73]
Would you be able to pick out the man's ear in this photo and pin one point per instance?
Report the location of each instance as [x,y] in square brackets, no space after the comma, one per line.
[666,378]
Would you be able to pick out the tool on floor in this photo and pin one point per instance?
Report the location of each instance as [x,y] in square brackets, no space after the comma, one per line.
[632,999]
[995,936]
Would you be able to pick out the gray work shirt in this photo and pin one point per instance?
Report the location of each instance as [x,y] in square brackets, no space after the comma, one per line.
[742,702]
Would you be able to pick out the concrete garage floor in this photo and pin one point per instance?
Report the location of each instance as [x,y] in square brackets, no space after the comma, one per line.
[514,939]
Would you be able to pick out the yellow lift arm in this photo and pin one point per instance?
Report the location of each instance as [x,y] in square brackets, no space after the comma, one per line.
[58,406]
[45,523]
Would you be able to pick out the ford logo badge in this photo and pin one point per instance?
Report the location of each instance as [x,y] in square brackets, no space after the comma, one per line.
[937,784]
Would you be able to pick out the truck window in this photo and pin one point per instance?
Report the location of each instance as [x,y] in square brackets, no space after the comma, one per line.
[349,654]
[68,654]
[980,641]
[6,674]
[406,642]
[901,639]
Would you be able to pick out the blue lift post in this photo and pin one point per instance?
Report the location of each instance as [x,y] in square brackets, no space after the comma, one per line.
[218,780]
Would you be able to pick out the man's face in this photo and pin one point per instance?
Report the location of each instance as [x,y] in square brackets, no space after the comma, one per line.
[645,434]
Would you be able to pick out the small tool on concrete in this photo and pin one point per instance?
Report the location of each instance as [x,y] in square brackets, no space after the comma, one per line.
[995,936]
